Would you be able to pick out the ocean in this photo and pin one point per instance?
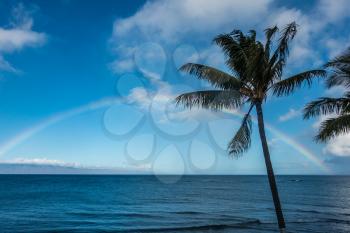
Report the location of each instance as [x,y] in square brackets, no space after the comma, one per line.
[123,203]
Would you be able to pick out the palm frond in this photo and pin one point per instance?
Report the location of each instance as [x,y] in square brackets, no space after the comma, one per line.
[214,76]
[252,35]
[288,34]
[277,71]
[242,139]
[286,86]
[343,59]
[230,44]
[333,127]
[269,33]
[339,78]
[340,70]
[233,46]
[211,99]
[347,94]
[325,106]
[258,67]
[280,55]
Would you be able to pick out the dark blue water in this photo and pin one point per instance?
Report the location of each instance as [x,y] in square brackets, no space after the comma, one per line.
[76,203]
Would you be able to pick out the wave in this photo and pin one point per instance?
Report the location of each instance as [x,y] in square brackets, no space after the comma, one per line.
[322,212]
[189,212]
[340,221]
[323,220]
[114,214]
[245,224]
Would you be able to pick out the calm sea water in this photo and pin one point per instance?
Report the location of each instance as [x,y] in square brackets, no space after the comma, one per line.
[64,203]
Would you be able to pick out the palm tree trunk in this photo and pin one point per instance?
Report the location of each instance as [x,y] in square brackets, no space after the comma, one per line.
[270,174]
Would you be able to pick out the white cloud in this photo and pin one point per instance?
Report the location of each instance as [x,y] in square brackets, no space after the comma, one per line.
[15,39]
[336,46]
[41,161]
[164,107]
[6,66]
[214,57]
[171,20]
[122,66]
[335,91]
[18,36]
[160,102]
[59,163]
[339,146]
[334,11]
[139,96]
[21,17]
[322,118]
[292,113]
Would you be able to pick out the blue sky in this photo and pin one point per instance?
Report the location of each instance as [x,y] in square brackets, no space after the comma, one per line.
[87,84]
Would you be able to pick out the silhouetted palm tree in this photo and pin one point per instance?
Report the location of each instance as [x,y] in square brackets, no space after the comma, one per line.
[339,124]
[255,71]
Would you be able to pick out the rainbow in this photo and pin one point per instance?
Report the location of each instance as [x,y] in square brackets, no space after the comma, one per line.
[27,133]
[106,102]
[291,142]
[300,148]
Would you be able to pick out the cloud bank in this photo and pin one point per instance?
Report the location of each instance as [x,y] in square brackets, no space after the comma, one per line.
[52,166]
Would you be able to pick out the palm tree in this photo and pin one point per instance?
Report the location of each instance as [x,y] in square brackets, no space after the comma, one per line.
[340,124]
[256,71]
